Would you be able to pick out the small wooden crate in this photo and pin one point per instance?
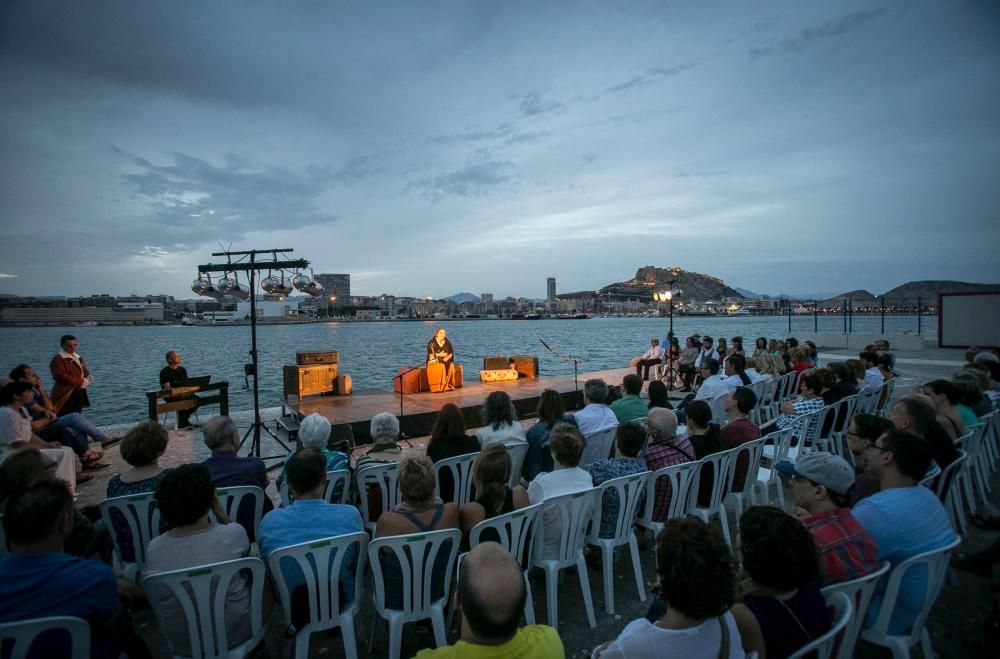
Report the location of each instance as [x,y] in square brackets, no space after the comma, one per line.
[308,380]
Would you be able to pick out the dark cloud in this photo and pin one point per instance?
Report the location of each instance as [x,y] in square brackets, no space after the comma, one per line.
[817,33]
[533,104]
[528,137]
[501,131]
[476,179]
[650,76]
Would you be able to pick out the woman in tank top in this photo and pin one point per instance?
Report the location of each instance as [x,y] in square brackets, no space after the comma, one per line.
[490,475]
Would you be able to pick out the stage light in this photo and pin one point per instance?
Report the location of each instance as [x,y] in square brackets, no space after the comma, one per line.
[203,286]
[305,284]
[273,286]
[231,286]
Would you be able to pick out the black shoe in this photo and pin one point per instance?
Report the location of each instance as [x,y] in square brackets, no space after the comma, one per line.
[187,426]
[111,441]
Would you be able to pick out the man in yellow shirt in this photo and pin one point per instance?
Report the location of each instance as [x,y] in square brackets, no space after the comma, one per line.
[491,596]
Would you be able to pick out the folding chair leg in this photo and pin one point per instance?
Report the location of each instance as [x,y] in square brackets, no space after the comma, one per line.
[348,635]
[552,595]
[437,622]
[581,571]
[633,549]
[395,637]
[607,574]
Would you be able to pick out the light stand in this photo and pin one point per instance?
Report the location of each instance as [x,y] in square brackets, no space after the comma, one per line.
[251,267]
[668,297]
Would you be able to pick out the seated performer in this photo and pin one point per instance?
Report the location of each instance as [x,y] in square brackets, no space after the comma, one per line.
[170,375]
[440,354]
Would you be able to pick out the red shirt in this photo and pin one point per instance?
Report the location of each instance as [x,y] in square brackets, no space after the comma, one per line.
[847,551]
[735,433]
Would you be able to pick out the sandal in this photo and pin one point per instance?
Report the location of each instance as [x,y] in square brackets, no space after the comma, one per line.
[91,456]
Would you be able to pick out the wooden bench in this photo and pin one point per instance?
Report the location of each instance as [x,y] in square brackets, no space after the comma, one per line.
[156,408]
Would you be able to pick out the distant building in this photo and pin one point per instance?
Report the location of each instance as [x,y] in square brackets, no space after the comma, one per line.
[486,298]
[122,314]
[551,297]
[337,286]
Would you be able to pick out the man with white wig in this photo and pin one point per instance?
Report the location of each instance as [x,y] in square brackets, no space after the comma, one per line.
[314,433]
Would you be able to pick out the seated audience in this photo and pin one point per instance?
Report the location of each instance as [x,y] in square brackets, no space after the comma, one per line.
[595,416]
[630,406]
[659,396]
[820,484]
[550,412]
[38,580]
[226,467]
[863,430]
[706,352]
[713,384]
[384,430]
[15,433]
[185,497]
[490,475]
[740,429]
[419,511]
[980,397]
[873,377]
[915,413]
[499,421]
[491,596]
[704,436]
[629,440]
[686,366]
[697,582]
[448,440]
[782,607]
[946,397]
[810,401]
[759,347]
[566,446]
[905,518]
[310,517]
[736,375]
[664,449]
[314,433]
[649,358]
[969,397]
[798,360]
[845,383]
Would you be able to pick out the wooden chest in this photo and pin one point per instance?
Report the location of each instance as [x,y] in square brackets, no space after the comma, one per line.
[498,375]
[525,365]
[308,380]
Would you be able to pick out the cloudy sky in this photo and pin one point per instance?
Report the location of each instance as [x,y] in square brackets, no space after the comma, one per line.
[436,147]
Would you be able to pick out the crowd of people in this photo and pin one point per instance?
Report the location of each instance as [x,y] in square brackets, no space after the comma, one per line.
[711,601]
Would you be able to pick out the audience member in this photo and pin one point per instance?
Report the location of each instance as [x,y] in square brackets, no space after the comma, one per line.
[71,377]
[905,519]
[310,517]
[740,429]
[969,396]
[448,440]
[915,413]
[185,497]
[697,582]
[659,396]
[782,607]
[630,406]
[490,476]
[551,411]
[314,433]
[863,430]
[499,421]
[595,416]
[707,352]
[792,412]
[686,366]
[872,375]
[664,449]
[712,384]
[736,375]
[384,430]
[845,384]
[491,596]
[704,436]
[759,347]
[419,511]
[566,445]
[821,484]
[172,375]
[629,440]
[38,580]
[981,402]
[946,397]
[649,358]
[15,433]
[226,468]
[798,361]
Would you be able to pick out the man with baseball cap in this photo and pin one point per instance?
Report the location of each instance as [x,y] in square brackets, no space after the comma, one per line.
[821,484]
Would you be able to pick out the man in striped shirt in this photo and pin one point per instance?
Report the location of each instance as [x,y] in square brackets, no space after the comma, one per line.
[664,449]
[821,484]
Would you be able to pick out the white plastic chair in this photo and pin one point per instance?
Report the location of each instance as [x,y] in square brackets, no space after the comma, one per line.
[320,562]
[417,554]
[837,438]
[721,465]
[776,448]
[930,476]
[142,517]
[822,647]
[341,478]
[629,491]
[884,397]
[201,593]
[750,454]
[20,635]
[860,591]
[949,490]
[936,564]
[386,478]
[597,446]
[231,499]
[718,407]
[517,451]
[573,512]
[516,530]
[460,468]
[679,477]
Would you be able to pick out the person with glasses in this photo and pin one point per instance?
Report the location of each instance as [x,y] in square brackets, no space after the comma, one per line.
[821,483]
[905,519]
[864,428]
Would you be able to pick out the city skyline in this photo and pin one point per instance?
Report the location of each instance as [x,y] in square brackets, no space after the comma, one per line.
[450,147]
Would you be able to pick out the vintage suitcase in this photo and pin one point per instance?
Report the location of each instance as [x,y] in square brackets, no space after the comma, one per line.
[324,357]
[495,362]
[410,382]
[526,365]
[497,375]
[342,385]
[307,380]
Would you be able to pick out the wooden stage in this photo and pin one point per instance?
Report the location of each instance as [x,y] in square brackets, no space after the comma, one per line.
[420,410]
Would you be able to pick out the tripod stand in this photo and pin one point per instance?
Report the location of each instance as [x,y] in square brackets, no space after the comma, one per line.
[671,374]
[576,363]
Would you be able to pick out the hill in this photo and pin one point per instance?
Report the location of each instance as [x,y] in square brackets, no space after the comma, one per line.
[459,298]
[927,291]
[860,297]
[695,286]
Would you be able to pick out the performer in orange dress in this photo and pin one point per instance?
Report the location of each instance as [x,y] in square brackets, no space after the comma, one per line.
[440,363]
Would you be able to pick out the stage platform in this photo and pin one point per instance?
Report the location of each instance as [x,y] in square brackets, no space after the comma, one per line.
[420,410]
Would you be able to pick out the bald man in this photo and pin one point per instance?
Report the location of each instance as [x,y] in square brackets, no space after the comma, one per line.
[491,595]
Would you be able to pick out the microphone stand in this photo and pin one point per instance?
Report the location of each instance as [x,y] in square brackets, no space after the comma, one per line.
[570,358]
[399,377]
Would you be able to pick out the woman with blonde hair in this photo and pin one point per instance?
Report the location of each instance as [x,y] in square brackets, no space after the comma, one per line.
[490,476]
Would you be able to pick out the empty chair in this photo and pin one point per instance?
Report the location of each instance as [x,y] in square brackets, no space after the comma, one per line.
[860,591]
[426,581]
[319,563]
[935,563]
[572,512]
[517,451]
[677,481]
[460,470]
[64,632]
[746,466]
[822,647]
[201,594]
[597,446]
[142,523]
[628,490]
[243,504]
[384,478]
[514,531]
[337,483]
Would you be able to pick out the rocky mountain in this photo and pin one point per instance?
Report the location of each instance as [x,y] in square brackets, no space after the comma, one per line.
[459,298]
[694,286]
[927,291]
[860,297]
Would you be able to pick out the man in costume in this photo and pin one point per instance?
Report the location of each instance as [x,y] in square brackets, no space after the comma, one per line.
[440,354]
[69,393]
